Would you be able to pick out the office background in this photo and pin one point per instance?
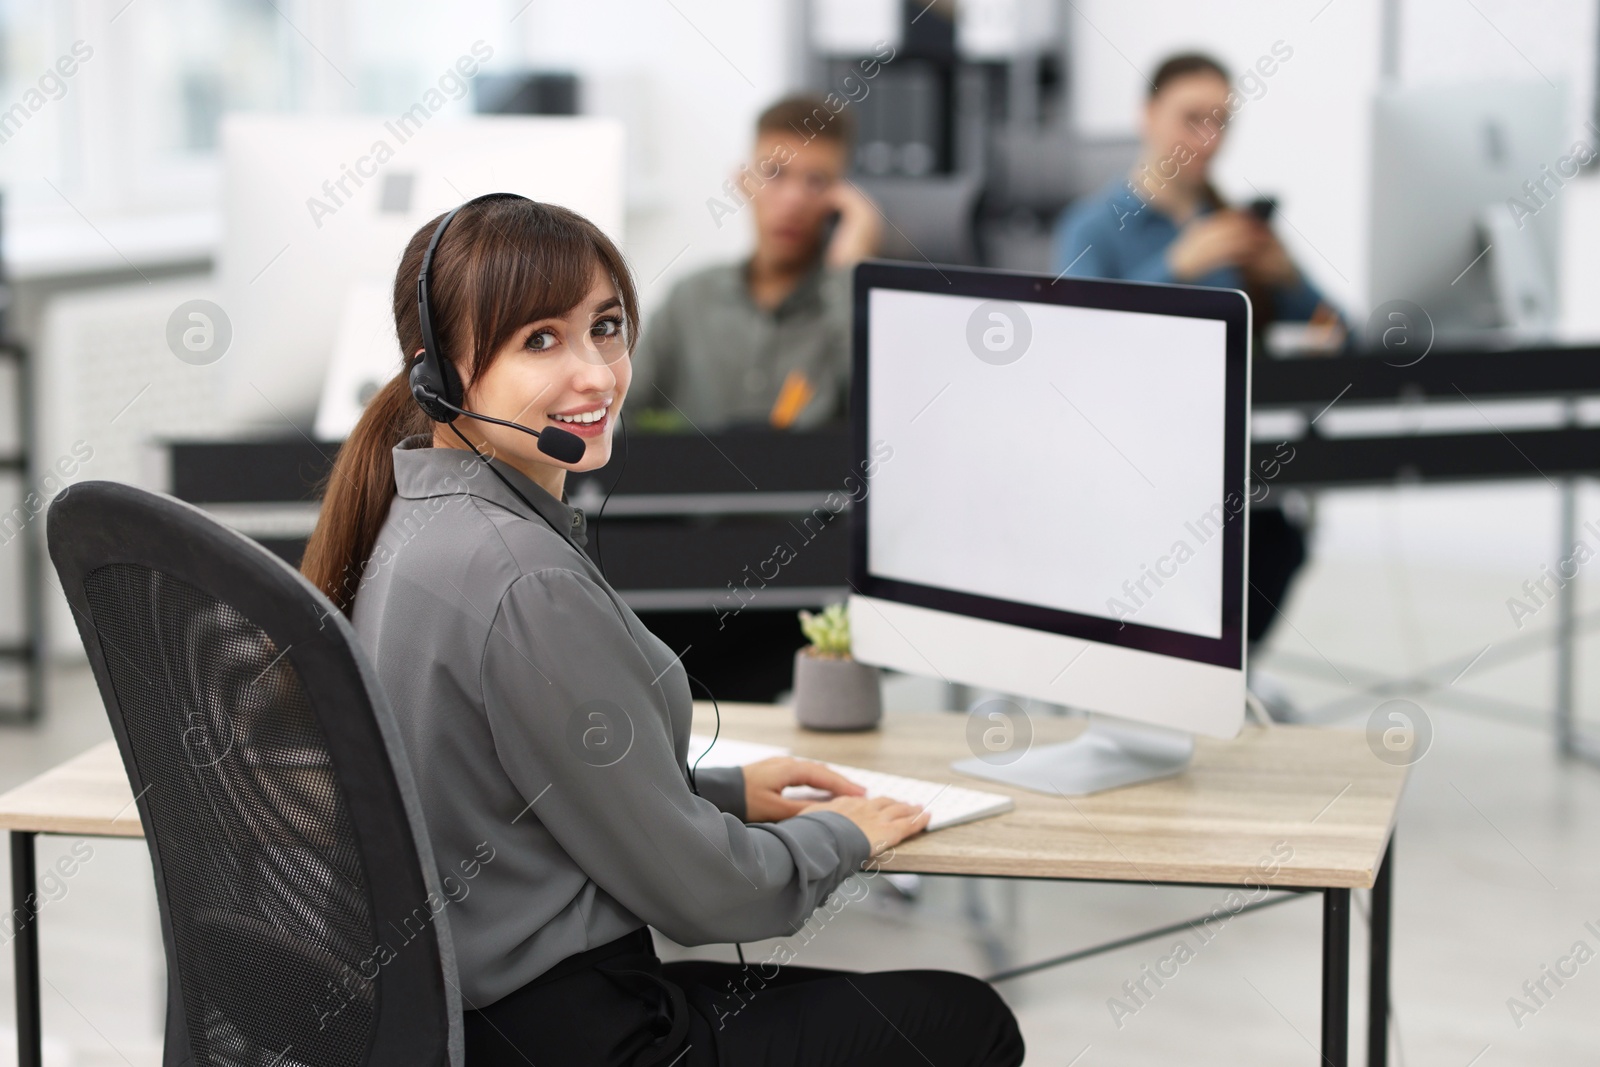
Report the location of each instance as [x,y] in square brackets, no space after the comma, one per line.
[113,208]
[118,181]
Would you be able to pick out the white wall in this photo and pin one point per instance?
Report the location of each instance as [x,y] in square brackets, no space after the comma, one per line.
[689,79]
[1444,41]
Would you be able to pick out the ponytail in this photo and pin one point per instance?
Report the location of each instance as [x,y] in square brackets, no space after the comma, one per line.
[357,492]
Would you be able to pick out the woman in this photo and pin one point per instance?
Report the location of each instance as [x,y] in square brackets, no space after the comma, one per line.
[1165,222]
[549,728]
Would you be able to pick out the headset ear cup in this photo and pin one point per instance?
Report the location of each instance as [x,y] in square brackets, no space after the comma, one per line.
[451,383]
[426,390]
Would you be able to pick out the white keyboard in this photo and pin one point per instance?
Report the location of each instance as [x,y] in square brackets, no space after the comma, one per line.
[950,805]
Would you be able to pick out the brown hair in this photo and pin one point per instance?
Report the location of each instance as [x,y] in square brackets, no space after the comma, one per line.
[1184,64]
[502,264]
[809,116]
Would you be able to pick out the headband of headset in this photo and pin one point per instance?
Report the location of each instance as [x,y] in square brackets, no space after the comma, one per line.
[433,377]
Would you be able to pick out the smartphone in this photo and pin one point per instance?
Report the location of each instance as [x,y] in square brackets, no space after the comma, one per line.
[829,226]
[1262,207]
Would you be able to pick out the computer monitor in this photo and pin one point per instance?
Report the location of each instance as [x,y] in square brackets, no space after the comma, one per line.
[1466,204]
[1055,505]
[317,210]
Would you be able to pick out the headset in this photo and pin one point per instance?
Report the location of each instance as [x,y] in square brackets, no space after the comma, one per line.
[436,387]
[434,381]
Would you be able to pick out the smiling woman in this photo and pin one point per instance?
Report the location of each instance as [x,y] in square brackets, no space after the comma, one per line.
[509,291]
[545,721]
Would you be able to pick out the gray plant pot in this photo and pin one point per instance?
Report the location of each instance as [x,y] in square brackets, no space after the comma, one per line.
[835,694]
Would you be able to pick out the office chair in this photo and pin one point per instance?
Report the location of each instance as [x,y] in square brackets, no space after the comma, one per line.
[931,219]
[292,866]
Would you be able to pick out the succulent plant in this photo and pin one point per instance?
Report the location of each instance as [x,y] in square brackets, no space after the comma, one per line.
[828,631]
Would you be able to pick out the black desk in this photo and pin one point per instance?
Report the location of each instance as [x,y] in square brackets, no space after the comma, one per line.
[695,517]
[688,537]
[1312,386]
[1559,451]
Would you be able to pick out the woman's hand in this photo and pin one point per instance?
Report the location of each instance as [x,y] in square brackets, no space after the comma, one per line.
[1220,239]
[765,781]
[1271,265]
[886,822]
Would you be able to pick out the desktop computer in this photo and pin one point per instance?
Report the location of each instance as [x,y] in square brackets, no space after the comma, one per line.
[1056,505]
[1467,188]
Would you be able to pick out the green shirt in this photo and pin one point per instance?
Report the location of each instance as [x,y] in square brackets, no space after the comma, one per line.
[711,355]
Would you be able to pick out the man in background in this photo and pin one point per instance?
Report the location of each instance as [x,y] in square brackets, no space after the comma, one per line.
[761,342]
[766,340]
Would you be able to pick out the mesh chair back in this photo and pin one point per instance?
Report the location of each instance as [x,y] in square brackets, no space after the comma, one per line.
[300,909]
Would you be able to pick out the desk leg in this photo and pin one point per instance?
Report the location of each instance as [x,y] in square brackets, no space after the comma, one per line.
[1378,979]
[1336,977]
[25,936]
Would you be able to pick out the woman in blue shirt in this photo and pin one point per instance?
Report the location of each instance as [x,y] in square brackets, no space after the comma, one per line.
[1165,222]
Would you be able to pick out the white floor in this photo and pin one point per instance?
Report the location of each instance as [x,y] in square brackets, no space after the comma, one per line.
[1497,872]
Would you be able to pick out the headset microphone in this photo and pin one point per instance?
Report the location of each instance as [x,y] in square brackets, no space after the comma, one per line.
[437,387]
[553,441]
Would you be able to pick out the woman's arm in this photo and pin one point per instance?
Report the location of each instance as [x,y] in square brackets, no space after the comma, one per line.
[724,787]
[754,792]
[580,722]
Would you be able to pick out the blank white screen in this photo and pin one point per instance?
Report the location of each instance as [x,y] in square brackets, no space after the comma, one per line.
[1055,479]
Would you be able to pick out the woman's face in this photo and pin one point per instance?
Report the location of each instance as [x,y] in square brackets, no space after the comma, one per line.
[1184,123]
[569,372]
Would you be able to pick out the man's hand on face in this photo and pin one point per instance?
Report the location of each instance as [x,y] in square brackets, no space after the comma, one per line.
[860,228]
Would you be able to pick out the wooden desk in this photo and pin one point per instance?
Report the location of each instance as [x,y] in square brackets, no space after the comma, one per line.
[1321,791]
[1320,795]
[87,796]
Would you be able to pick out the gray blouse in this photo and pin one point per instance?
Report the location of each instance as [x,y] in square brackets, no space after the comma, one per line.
[548,732]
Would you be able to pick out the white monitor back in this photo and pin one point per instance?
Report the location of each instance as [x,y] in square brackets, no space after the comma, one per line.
[317,211]
[1444,155]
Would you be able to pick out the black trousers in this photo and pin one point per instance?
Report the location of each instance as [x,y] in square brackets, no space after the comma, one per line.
[748,656]
[1277,552]
[619,1006]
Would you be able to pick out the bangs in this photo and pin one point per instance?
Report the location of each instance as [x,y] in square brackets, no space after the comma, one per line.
[531,261]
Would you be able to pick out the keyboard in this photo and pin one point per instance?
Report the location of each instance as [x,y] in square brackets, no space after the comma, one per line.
[950,805]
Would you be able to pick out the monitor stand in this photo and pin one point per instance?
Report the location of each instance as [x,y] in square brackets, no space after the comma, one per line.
[1109,754]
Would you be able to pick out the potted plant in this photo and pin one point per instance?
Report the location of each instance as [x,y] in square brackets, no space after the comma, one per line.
[831,690]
